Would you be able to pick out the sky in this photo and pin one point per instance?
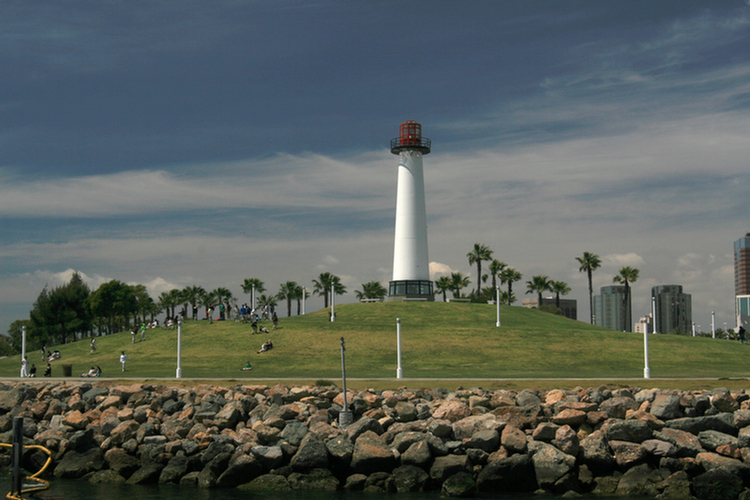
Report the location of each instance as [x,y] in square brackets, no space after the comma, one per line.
[201,143]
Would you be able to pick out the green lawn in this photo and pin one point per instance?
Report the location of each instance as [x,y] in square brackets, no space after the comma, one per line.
[439,340]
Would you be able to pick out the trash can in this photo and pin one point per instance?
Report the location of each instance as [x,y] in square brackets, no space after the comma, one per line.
[67,370]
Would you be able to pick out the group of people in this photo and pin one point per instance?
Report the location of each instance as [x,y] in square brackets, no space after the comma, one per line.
[95,371]
[30,371]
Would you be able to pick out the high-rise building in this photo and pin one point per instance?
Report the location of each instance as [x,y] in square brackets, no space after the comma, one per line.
[411,267]
[611,308]
[742,280]
[568,307]
[673,309]
[742,266]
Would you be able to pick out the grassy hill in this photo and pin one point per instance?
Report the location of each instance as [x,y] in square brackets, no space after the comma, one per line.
[439,340]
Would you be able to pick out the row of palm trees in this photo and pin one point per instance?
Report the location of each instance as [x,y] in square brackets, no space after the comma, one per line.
[588,263]
[196,296]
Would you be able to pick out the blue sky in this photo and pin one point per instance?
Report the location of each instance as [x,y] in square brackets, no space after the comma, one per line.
[181,143]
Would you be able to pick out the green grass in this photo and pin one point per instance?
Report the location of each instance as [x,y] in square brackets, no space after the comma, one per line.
[439,340]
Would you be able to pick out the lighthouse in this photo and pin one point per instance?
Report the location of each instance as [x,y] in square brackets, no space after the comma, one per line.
[411,266]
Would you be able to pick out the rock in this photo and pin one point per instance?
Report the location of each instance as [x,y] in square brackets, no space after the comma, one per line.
[106,476]
[371,454]
[294,432]
[545,431]
[687,444]
[628,454]
[566,440]
[409,478]
[340,450]
[722,422]
[75,465]
[640,480]
[486,440]
[459,485]
[723,401]
[634,431]
[121,462]
[666,407]
[659,448]
[511,474]
[444,467]
[513,439]
[271,483]
[569,417]
[177,467]
[312,454]
[363,425]
[315,480]
[617,407]
[418,454]
[453,410]
[551,465]
[710,440]
[596,453]
[242,469]
[148,474]
[269,457]
[675,487]
[717,484]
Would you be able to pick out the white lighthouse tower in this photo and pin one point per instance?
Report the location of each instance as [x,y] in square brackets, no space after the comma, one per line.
[411,266]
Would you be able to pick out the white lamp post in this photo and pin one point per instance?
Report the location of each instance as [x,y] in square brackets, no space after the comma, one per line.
[23,351]
[713,324]
[399,370]
[178,373]
[646,369]
[333,305]
[497,303]
[304,299]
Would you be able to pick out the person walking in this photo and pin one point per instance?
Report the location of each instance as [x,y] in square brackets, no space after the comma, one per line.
[123,360]
[93,345]
[25,367]
[143,332]
[274,320]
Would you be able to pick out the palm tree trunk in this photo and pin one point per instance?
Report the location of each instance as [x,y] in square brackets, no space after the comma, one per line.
[591,298]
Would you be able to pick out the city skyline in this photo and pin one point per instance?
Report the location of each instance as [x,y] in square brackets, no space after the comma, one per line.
[201,144]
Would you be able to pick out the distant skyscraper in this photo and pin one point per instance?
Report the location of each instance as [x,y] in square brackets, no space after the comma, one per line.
[742,266]
[609,308]
[673,309]
[411,266]
[742,280]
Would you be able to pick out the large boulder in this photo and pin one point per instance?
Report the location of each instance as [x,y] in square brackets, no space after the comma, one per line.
[514,473]
[75,465]
[554,469]
[596,453]
[372,454]
[409,478]
[717,484]
[444,467]
[242,469]
[459,485]
[666,407]
[312,454]
[634,431]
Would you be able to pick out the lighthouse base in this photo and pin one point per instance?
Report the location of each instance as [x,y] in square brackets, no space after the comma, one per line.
[401,290]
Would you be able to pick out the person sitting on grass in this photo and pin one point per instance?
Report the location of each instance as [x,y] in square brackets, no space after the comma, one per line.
[247,367]
[48,370]
[90,373]
[267,346]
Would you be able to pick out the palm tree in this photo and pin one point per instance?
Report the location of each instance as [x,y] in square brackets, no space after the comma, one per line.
[458,281]
[496,267]
[326,284]
[538,284]
[322,286]
[288,292]
[223,296]
[479,253]
[266,300]
[247,286]
[193,295]
[207,301]
[627,276]
[559,288]
[443,285]
[589,263]
[300,293]
[371,290]
[509,275]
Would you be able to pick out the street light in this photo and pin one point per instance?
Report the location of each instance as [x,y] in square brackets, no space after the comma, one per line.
[497,303]
[345,417]
[178,374]
[399,370]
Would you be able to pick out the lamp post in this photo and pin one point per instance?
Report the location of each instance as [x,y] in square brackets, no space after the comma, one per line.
[497,303]
[713,324]
[653,312]
[399,370]
[333,305]
[646,369]
[345,417]
[23,351]
[304,299]
[178,373]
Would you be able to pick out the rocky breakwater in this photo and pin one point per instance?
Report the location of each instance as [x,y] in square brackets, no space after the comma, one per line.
[657,443]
